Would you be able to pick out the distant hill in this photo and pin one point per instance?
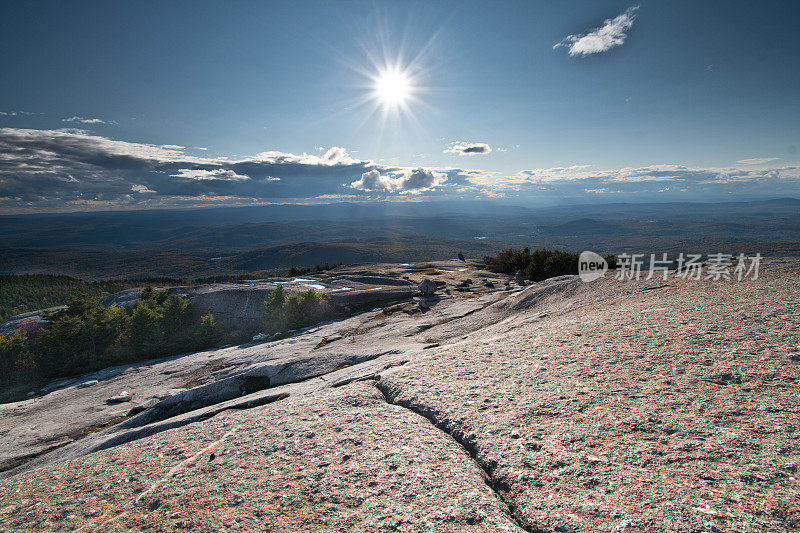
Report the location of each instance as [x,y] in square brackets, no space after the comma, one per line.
[401,250]
[232,241]
[587,226]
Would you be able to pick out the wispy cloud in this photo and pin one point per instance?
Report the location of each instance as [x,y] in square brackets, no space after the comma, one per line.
[758,160]
[17,113]
[216,174]
[653,182]
[83,120]
[612,33]
[468,148]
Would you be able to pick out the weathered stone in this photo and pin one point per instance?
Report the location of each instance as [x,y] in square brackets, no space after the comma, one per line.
[427,287]
[585,406]
[123,396]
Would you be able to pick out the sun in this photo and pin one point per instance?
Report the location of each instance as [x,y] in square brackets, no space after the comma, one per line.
[392,87]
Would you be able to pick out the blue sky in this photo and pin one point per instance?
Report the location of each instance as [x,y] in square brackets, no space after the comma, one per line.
[693,99]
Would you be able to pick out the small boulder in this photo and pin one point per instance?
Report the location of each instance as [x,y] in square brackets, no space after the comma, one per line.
[258,337]
[87,384]
[427,287]
[519,279]
[123,396]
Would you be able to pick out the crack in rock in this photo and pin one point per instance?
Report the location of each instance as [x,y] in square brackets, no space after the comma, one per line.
[499,487]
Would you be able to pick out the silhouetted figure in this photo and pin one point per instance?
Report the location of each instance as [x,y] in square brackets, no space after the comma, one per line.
[461,257]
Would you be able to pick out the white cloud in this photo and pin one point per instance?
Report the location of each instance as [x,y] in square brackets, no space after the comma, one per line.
[83,120]
[676,180]
[17,113]
[65,169]
[612,33]
[334,156]
[542,175]
[75,131]
[217,174]
[758,160]
[467,148]
[405,181]
[372,180]
[422,179]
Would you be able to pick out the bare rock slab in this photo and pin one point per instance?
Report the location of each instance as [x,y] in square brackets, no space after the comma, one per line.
[347,462]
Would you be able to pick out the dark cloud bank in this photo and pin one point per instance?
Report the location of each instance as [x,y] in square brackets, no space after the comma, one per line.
[74,170]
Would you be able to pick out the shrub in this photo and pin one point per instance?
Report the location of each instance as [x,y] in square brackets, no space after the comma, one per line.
[537,265]
[209,333]
[14,355]
[86,336]
[293,311]
[144,327]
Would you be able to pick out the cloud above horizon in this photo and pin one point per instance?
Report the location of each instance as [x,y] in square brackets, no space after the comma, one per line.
[652,182]
[402,181]
[467,148]
[47,170]
[758,160]
[611,34]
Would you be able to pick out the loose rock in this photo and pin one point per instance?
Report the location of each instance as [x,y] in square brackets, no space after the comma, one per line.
[427,287]
[123,396]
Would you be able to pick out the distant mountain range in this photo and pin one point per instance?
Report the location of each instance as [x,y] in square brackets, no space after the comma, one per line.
[203,242]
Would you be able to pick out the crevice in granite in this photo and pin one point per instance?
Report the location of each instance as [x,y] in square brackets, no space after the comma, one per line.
[501,489]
